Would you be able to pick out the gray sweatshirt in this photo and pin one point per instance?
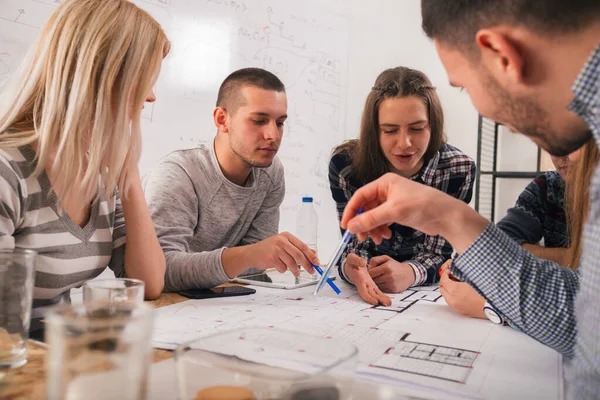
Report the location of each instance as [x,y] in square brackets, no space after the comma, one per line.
[198,212]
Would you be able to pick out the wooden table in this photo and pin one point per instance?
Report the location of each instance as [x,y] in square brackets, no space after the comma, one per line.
[29,381]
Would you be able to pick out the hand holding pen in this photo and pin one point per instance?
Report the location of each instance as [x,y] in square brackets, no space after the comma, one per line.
[329,281]
[334,259]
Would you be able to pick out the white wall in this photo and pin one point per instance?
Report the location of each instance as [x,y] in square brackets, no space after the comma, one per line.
[387,34]
[394,37]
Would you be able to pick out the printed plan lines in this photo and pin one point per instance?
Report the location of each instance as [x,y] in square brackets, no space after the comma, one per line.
[348,319]
[402,301]
[424,359]
[419,343]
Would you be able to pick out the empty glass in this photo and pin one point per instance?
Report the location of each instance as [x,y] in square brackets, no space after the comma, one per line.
[98,350]
[254,363]
[114,290]
[16,291]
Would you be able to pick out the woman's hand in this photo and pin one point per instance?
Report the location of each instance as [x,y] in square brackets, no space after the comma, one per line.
[390,275]
[460,295]
[355,268]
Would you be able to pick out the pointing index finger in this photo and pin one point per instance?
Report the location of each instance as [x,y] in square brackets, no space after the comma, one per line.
[361,200]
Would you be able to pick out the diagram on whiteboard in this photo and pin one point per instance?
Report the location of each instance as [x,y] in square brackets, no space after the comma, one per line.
[302,43]
[20,23]
[159,3]
[307,48]
[50,2]
[259,35]
[4,69]
[30,13]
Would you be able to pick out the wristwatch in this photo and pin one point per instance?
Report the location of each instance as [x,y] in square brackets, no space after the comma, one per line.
[491,313]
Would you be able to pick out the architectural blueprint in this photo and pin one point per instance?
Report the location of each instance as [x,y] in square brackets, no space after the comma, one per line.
[418,342]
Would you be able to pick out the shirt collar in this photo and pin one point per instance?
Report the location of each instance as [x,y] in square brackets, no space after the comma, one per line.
[586,85]
[427,172]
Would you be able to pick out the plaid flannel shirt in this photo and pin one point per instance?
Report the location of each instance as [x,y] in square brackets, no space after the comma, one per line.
[538,296]
[449,170]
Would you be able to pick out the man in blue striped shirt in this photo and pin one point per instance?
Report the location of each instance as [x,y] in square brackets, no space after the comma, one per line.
[535,67]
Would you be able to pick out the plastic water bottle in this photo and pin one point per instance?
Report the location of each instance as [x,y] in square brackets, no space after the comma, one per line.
[307,223]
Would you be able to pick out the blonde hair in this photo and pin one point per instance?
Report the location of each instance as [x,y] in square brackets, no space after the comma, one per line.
[79,93]
[577,196]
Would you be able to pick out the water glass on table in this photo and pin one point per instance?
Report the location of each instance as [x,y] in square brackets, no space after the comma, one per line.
[16,292]
[98,350]
[114,290]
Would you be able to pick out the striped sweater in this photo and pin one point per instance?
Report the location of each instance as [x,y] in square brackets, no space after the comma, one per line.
[68,253]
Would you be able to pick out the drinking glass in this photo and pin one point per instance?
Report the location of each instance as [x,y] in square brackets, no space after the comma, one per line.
[255,363]
[16,291]
[98,350]
[114,290]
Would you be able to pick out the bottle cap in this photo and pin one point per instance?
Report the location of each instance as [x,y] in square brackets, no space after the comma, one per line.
[307,199]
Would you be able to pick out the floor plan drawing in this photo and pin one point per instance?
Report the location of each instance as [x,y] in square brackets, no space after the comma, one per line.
[418,342]
[429,360]
[402,301]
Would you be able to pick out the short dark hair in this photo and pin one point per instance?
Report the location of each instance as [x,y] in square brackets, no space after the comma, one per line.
[230,97]
[456,22]
[368,160]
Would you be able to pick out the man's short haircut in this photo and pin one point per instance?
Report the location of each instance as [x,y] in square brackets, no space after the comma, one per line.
[456,22]
[230,93]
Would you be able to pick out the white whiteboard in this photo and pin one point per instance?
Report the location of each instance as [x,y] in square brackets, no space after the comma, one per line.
[304,45]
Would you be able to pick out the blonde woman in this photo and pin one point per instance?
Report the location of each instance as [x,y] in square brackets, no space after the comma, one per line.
[69,147]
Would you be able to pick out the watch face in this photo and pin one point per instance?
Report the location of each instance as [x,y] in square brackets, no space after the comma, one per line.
[492,315]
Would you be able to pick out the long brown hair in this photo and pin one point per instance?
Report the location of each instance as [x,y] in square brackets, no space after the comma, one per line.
[368,160]
[577,199]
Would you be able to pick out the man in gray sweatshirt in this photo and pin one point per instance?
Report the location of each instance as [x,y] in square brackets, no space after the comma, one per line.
[216,207]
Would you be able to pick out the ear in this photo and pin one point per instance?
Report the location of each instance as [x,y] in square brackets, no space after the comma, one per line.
[502,55]
[221,119]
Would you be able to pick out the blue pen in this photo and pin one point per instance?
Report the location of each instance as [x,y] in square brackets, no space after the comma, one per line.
[329,281]
[335,258]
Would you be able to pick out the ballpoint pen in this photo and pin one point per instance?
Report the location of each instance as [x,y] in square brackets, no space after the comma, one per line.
[335,258]
[329,281]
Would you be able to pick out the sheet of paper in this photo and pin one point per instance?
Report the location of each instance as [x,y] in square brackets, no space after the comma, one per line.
[418,315]
[424,359]
[277,348]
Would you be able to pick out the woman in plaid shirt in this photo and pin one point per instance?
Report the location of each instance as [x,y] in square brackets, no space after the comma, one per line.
[402,131]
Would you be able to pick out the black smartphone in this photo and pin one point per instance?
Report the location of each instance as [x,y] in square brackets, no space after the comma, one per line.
[315,393]
[37,328]
[217,292]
